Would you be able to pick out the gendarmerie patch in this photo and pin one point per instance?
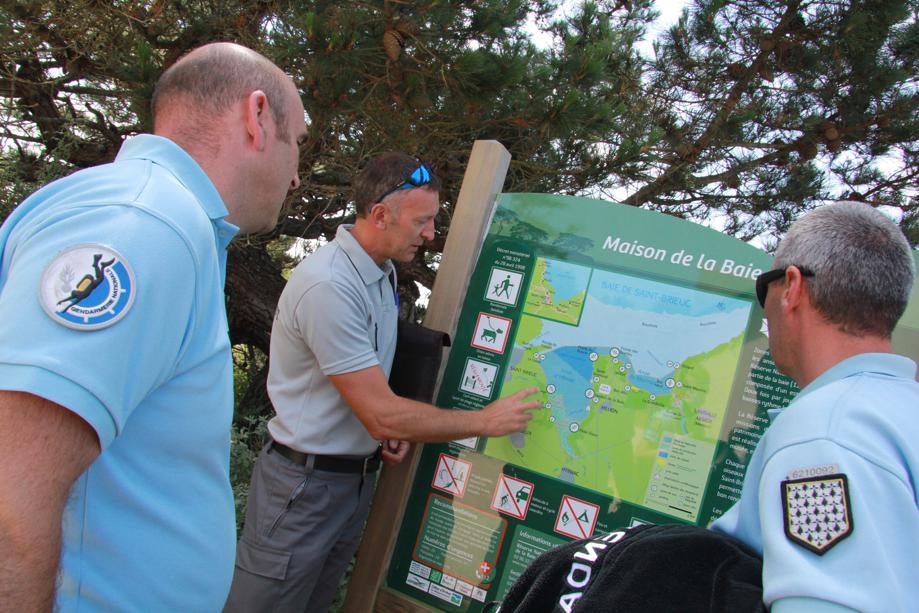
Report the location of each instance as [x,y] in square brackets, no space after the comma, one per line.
[817,511]
[87,287]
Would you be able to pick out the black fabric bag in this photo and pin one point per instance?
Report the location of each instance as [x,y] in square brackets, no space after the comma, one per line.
[419,351]
[642,570]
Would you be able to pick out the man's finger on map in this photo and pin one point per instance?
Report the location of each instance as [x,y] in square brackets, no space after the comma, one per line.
[527,405]
[526,392]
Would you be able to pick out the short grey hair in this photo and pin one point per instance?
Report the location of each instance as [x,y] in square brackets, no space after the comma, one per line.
[863,266]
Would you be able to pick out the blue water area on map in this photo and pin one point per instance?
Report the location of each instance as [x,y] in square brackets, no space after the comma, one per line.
[577,358]
[569,404]
[566,279]
[656,325]
[651,296]
[650,384]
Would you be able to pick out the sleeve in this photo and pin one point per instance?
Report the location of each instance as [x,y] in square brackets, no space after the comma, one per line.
[808,605]
[101,374]
[857,518]
[338,327]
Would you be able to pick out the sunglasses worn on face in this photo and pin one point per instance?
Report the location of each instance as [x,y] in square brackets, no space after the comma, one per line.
[763,281]
[420,176]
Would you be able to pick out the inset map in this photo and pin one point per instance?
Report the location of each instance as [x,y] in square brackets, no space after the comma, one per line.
[634,394]
[557,291]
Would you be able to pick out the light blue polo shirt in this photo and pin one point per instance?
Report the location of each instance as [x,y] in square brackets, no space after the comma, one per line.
[150,525]
[859,419]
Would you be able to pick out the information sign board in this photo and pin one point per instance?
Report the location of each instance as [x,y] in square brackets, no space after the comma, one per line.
[644,337]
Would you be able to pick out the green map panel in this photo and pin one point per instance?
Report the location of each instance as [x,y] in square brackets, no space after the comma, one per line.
[635,396]
[643,336]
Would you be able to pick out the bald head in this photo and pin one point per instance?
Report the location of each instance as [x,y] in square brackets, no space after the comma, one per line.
[207,82]
[240,118]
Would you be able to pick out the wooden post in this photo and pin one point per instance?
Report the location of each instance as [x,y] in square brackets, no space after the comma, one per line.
[482,183]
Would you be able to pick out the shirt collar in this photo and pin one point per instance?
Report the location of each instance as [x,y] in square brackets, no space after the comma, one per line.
[886,364]
[367,269]
[176,160]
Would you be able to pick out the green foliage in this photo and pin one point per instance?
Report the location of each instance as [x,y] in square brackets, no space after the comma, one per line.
[247,438]
[249,433]
[19,176]
[738,93]
[772,108]
[247,362]
[910,225]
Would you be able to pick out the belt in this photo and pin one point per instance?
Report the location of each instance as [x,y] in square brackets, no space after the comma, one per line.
[331,463]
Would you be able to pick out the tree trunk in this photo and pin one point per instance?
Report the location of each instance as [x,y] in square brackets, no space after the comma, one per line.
[254,285]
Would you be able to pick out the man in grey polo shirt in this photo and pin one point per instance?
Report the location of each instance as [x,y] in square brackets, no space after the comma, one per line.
[332,346]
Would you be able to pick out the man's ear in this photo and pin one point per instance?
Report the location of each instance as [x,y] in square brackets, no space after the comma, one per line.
[377,215]
[794,290]
[256,116]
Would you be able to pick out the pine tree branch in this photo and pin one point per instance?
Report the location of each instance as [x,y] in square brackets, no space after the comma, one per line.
[732,100]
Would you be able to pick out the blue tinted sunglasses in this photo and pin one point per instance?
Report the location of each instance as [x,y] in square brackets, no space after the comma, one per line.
[420,176]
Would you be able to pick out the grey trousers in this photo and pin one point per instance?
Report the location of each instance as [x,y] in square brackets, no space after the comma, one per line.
[301,531]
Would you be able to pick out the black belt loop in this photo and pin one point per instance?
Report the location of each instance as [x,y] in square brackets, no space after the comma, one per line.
[331,463]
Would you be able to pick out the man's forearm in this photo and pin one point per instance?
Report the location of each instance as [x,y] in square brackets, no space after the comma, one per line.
[424,423]
[416,421]
[43,449]
[28,565]
[387,416]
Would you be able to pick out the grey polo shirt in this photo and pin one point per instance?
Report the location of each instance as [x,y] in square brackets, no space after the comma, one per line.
[337,314]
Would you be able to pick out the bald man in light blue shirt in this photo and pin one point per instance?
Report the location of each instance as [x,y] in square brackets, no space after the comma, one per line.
[116,377]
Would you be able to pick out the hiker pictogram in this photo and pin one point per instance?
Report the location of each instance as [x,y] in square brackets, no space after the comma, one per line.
[503,286]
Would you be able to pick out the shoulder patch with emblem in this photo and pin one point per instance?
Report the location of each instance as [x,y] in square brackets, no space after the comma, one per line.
[87,287]
[817,511]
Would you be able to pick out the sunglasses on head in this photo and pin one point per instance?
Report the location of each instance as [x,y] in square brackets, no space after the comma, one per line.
[763,281]
[419,177]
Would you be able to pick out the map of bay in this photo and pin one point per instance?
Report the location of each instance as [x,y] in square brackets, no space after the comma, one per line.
[635,384]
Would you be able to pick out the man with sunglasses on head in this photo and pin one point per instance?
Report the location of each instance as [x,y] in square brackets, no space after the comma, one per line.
[830,494]
[332,346]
